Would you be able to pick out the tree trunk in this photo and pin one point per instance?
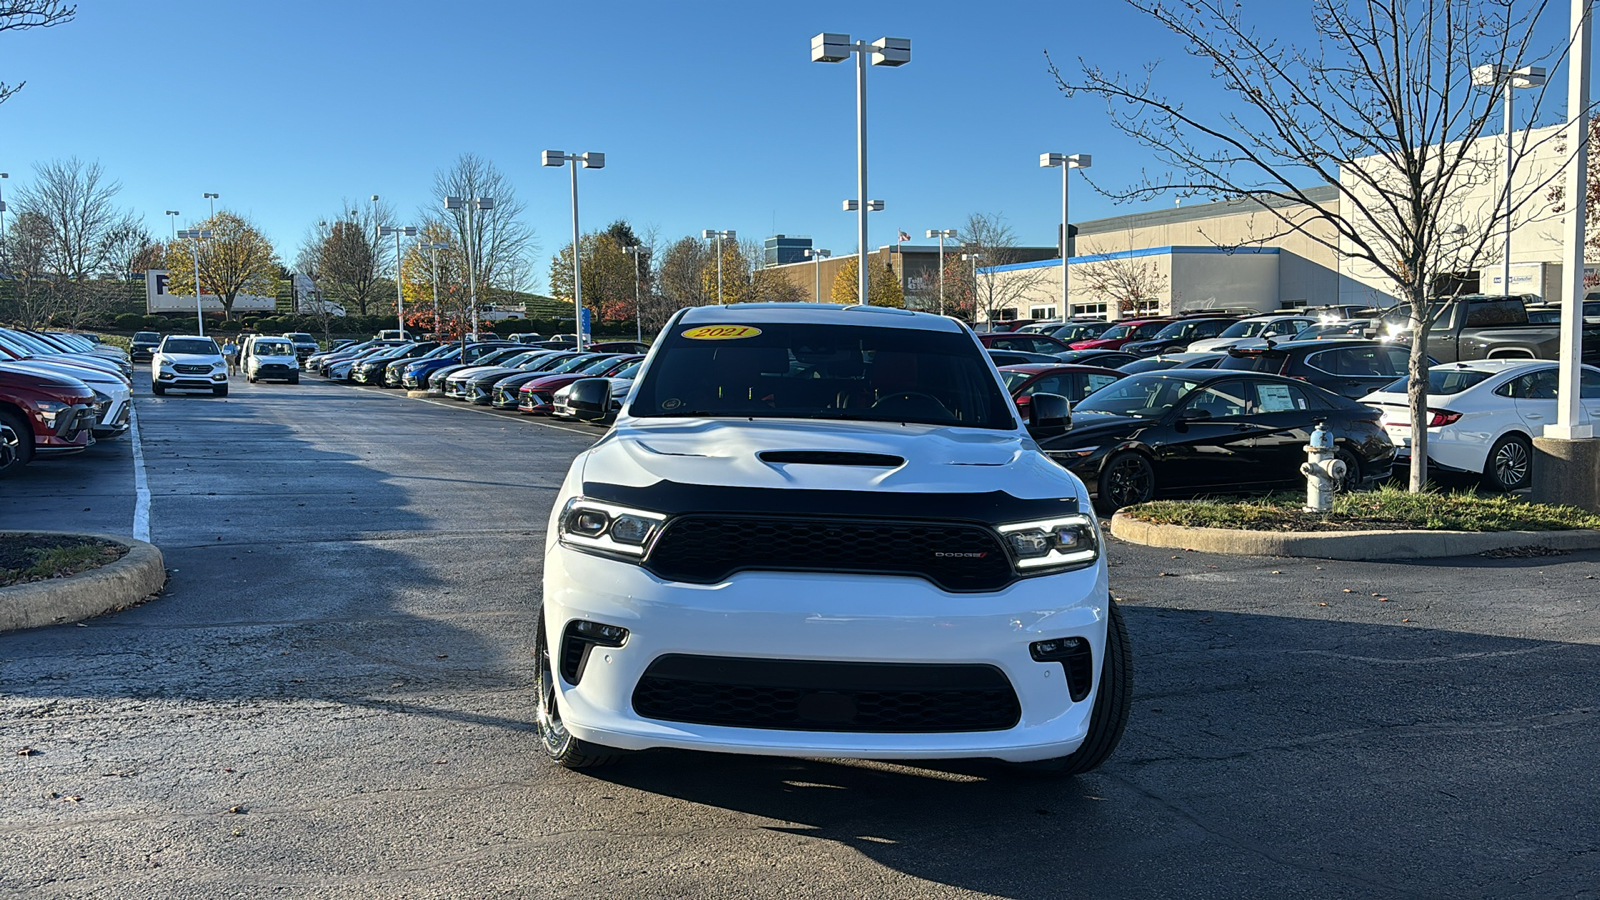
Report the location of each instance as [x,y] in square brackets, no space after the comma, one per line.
[1417,391]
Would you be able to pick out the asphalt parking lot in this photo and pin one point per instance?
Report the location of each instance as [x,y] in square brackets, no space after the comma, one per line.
[333,699]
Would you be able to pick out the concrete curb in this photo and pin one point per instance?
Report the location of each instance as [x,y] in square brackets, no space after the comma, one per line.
[1350,545]
[417,395]
[138,574]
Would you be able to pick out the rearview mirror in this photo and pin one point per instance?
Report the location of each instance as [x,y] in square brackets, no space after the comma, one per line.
[590,398]
[1049,415]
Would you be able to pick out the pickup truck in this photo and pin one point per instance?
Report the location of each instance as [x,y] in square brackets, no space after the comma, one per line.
[1491,327]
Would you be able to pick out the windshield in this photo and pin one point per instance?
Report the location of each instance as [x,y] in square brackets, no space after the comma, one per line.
[1175,330]
[301,337]
[201,346]
[573,364]
[495,357]
[628,371]
[1245,329]
[1014,380]
[146,336]
[801,371]
[1142,396]
[1441,381]
[264,348]
[549,363]
[1116,331]
[597,366]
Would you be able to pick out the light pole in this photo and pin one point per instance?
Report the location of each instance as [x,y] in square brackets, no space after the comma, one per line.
[433,248]
[1568,408]
[831,48]
[478,203]
[213,198]
[375,222]
[974,257]
[590,160]
[708,234]
[817,256]
[172,216]
[1066,164]
[3,175]
[941,234]
[197,235]
[641,255]
[399,295]
[1499,75]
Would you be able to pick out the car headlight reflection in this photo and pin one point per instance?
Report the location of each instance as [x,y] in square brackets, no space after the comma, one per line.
[1067,542]
[607,529]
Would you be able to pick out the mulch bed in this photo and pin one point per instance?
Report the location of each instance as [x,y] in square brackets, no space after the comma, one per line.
[21,552]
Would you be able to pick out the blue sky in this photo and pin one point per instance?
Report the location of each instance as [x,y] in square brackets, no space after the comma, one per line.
[711,114]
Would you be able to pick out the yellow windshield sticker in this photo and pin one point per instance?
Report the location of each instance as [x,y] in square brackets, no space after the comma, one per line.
[721,332]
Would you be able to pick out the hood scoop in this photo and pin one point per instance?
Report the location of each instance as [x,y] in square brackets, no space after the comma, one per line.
[830,458]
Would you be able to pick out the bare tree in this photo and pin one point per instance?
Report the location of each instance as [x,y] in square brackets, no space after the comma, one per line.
[982,295]
[348,255]
[21,15]
[1380,107]
[502,245]
[77,234]
[29,292]
[1119,278]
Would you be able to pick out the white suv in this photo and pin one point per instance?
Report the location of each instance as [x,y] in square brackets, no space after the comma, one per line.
[822,531]
[270,358]
[188,362]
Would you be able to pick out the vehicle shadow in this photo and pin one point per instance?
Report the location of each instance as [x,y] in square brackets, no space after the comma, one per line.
[1266,756]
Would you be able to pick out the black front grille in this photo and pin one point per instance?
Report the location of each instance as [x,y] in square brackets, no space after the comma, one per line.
[806,695]
[192,370]
[705,549]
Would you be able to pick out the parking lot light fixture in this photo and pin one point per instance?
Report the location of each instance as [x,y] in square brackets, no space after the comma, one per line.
[213,198]
[197,235]
[590,160]
[1504,77]
[941,234]
[831,47]
[172,216]
[433,248]
[399,295]
[817,256]
[641,256]
[1066,163]
[710,234]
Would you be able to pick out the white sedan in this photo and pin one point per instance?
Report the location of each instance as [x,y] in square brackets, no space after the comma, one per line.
[1484,414]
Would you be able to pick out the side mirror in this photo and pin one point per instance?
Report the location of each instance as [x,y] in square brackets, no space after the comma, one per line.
[590,398]
[1049,415]
[1193,415]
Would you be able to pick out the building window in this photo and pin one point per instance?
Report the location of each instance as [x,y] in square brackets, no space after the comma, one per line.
[1006,315]
[1147,306]
[1039,313]
[1089,309]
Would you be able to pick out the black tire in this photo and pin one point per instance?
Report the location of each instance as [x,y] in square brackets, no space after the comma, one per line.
[1126,479]
[294,379]
[1352,471]
[1112,705]
[220,391]
[557,741]
[1510,464]
[16,442]
[158,389]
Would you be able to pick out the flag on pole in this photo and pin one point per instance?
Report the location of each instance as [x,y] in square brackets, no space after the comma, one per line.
[904,237]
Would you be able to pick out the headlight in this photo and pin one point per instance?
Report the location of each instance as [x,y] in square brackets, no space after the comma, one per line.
[607,529]
[1068,542]
[48,410]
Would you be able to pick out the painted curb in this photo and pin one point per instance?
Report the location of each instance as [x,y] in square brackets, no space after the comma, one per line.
[138,574]
[1347,545]
[417,395]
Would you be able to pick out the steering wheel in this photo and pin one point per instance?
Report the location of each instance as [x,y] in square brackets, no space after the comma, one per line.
[913,398]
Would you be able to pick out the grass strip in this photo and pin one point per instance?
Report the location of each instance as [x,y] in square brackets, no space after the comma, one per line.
[1385,508]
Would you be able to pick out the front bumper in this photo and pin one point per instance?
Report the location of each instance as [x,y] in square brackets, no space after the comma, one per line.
[827,618]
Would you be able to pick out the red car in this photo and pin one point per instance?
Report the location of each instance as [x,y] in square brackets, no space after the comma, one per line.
[42,414]
[1026,343]
[1070,381]
[1121,333]
[538,396]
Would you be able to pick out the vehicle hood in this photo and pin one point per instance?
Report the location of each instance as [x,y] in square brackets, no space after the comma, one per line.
[639,453]
[1096,344]
[56,377]
[1091,427]
[1225,343]
[489,373]
[70,368]
[474,371]
[278,358]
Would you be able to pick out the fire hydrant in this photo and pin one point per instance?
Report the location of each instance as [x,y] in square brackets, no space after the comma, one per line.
[1324,472]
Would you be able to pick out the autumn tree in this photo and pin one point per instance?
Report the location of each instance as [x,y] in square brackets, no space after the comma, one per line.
[426,274]
[608,273]
[883,285]
[734,272]
[236,259]
[1380,107]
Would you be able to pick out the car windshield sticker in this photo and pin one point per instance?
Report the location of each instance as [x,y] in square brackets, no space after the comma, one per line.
[721,332]
[1275,397]
[671,403]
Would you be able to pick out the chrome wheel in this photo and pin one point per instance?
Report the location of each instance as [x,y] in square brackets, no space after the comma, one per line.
[10,446]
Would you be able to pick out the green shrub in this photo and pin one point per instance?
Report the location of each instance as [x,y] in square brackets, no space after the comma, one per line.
[130,321]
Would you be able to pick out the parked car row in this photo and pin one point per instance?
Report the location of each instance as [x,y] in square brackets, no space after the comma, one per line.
[59,393]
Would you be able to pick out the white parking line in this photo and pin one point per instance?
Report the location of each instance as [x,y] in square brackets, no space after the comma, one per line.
[141,488]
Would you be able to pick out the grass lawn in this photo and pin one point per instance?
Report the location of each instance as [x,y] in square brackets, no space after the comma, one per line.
[1385,508]
[38,557]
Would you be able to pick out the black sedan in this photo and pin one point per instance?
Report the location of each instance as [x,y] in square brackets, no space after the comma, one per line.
[1352,368]
[1177,336]
[1185,432]
[1105,359]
